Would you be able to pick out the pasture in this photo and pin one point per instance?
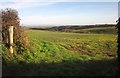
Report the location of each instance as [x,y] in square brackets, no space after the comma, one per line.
[66,53]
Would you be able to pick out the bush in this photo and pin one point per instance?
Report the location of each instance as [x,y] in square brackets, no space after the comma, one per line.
[10,18]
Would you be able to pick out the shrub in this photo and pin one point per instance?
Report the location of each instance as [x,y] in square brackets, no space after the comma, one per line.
[10,18]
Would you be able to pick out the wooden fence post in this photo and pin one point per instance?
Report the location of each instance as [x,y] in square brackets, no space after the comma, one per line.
[10,39]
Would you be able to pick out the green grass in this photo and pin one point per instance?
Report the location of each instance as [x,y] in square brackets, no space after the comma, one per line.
[61,53]
[82,43]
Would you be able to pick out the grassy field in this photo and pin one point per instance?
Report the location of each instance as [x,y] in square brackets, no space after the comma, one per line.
[105,30]
[104,44]
[66,54]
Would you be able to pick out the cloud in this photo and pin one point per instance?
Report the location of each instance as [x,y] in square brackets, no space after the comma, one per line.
[53,20]
[67,19]
[60,0]
[18,4]
[48,20]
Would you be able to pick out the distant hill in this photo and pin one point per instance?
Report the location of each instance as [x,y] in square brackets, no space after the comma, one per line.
[73,27]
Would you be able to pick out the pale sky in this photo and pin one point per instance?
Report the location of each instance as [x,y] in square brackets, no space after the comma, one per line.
[64,12]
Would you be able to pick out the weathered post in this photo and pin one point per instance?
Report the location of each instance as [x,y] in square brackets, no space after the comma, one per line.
[10,39]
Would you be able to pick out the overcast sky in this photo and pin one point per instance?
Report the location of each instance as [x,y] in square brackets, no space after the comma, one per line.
[64,12]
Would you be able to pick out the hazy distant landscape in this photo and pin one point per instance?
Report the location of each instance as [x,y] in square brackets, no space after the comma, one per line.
[78,28]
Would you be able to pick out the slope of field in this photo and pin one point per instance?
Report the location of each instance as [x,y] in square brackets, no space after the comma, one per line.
[82,43]
[105,30]
[66,54]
